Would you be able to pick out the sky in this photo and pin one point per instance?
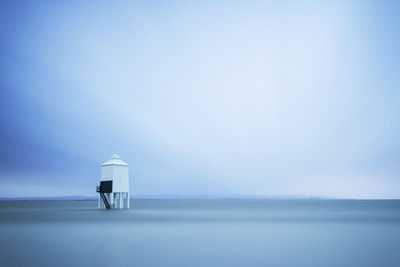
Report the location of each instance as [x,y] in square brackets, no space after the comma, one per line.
[200,98]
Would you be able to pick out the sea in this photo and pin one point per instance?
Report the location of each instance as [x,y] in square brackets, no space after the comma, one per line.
[203,232]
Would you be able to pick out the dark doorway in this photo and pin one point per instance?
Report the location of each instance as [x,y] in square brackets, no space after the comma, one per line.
[106,187]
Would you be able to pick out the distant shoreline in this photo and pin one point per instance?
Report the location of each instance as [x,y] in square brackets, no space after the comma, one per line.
[95,198]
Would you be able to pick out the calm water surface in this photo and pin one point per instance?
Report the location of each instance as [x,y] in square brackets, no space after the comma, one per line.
[202,233]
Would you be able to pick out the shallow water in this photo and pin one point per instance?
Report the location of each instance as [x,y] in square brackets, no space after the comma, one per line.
[202,233]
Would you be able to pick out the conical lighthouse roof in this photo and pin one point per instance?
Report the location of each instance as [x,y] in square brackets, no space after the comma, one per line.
[115,160]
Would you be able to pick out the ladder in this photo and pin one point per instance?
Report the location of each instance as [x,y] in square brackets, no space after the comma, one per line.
[103,197]
[105,201]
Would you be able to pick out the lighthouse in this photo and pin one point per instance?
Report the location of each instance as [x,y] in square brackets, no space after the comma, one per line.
[114,184]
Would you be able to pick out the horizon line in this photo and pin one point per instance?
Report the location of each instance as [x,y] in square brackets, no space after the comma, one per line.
[192,197]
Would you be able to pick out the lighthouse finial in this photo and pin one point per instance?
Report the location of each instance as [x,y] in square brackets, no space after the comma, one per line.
[115,156]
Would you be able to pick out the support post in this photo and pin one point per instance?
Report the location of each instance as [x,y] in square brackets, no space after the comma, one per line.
[127,200]
[112,200]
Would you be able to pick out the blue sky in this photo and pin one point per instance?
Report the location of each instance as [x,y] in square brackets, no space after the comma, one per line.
[201,97]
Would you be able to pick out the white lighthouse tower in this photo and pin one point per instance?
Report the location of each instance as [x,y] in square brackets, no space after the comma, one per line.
[114,184]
